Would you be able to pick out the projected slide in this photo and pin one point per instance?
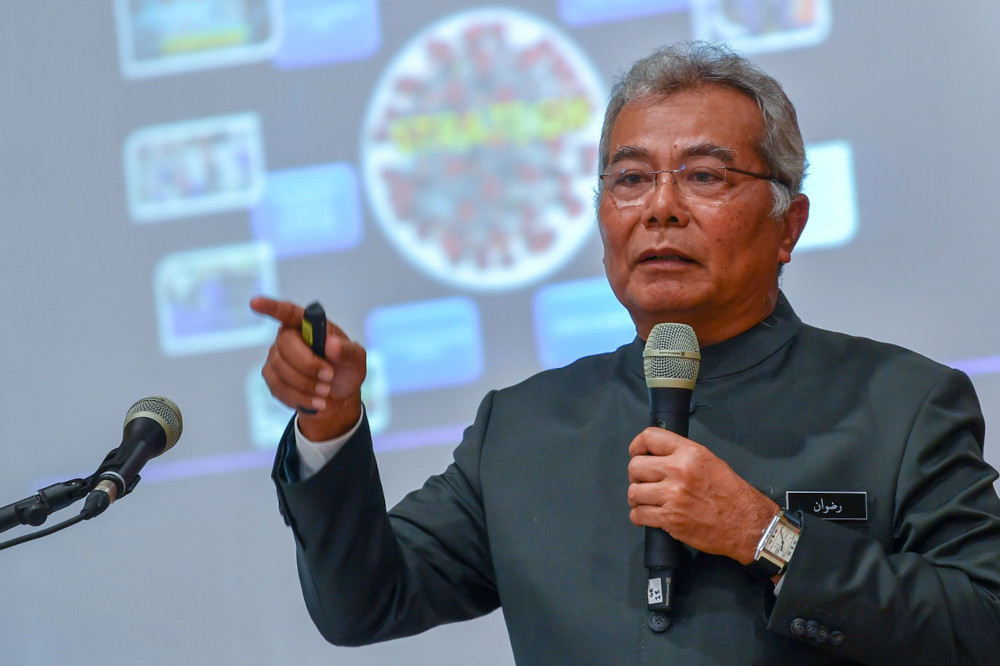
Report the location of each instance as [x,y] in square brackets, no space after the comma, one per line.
[426,169]
[476,160]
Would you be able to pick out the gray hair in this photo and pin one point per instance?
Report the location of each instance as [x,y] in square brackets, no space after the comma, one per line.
[687,66]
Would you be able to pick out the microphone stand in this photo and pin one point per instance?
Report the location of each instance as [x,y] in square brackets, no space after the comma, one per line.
[35,509]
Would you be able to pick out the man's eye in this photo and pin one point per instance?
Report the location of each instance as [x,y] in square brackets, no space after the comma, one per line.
[632,178]
[706,176]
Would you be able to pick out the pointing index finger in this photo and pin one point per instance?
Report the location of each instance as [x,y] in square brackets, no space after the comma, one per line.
[285,312]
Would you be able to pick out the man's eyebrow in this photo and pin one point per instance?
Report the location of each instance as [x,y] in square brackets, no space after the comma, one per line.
[630,153]
[722,153]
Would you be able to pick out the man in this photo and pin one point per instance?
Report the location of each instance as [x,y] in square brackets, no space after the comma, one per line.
[699,205]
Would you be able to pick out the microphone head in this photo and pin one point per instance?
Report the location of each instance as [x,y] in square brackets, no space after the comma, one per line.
[162,410]
[671,357]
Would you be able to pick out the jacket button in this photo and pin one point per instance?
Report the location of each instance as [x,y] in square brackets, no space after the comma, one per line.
[812,627]
[822,634]
[836,638]
[658,621]
[798,626]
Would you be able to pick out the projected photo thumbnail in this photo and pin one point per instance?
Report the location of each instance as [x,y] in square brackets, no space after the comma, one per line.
[480,147]
[194,167]
[202,295]
[158,37]
[758,26]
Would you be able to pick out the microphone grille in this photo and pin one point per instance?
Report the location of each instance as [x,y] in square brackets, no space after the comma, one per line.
[164,411]
[672,353]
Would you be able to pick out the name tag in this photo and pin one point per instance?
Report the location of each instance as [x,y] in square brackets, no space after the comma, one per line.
[829,504]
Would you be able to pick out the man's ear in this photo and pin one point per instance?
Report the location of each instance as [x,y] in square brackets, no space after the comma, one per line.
[793,223]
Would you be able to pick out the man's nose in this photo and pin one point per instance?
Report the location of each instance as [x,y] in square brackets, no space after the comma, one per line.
[665,203]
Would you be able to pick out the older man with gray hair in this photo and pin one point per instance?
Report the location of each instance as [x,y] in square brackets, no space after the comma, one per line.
[831,495]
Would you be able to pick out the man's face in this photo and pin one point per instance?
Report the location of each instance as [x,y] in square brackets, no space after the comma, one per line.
[670,257]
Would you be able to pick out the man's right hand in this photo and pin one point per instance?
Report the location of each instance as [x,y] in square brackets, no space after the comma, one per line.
[300,379]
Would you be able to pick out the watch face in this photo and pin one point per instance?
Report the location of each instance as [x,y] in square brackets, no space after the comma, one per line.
[782,542]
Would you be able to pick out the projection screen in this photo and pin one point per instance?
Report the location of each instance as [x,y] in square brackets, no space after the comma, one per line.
[426,170]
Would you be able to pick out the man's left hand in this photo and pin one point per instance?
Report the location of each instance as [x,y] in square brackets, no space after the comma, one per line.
[680,486]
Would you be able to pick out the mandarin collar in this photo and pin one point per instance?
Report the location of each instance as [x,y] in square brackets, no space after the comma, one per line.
[743,351]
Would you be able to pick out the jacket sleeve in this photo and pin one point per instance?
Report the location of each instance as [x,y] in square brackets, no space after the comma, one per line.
[933,596]
[368,575]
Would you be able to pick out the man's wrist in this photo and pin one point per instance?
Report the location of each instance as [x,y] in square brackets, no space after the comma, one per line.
[312,455]
[331,423]
[762,514]
[776,546]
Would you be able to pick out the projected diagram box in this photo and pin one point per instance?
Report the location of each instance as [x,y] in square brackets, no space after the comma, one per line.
[157,37]
[194,167]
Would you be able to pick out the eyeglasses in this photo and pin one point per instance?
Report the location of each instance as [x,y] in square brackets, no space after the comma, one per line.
[701,178]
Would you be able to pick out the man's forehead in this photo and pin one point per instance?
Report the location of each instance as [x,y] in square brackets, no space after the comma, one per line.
[704,120]
[694,148]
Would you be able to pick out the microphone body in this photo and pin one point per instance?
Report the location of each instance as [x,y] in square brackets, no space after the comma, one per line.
[669,408]
[670,362]
[152,426]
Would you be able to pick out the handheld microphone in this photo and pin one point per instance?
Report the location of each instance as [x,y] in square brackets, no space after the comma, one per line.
[670,362]
[152,425]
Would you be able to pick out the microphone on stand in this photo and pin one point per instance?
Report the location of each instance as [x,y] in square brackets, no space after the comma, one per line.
[152,425]
[670,362]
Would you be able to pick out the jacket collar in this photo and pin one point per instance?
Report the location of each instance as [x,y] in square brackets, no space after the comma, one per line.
[743,351]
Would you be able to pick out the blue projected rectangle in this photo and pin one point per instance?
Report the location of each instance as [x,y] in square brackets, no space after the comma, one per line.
[833,209]
[576,319]
[318,32]
[309,210]
[427,345]
[583,12]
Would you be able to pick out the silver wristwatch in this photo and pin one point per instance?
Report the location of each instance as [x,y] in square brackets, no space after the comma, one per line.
[776,545]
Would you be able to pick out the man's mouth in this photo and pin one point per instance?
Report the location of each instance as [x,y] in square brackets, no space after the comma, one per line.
[666,257]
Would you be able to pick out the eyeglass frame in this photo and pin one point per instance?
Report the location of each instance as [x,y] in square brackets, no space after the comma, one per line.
[656,172]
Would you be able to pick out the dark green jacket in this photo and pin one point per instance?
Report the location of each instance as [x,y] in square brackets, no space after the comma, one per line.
[532,516]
